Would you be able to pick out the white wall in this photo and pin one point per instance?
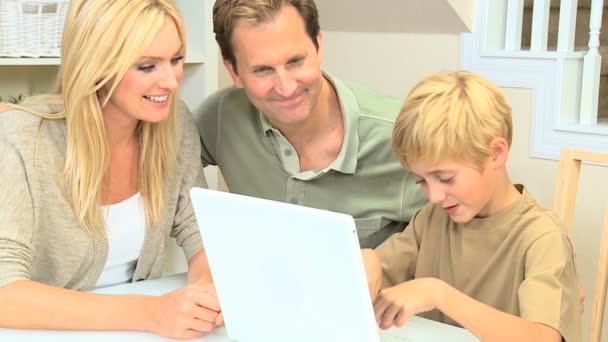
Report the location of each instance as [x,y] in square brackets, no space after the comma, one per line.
[465,10]
[26,80]
[388,62]
[428,16]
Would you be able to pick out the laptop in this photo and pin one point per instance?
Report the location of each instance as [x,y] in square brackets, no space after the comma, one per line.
[285,272]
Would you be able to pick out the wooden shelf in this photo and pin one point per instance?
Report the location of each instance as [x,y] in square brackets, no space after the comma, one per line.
[29,61]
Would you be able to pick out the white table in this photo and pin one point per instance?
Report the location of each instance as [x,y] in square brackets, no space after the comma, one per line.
[415,330]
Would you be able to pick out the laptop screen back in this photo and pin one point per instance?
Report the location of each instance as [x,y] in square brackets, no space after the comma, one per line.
[284,272]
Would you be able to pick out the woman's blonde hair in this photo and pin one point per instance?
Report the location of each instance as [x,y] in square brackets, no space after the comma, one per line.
[451,115]
[101,40]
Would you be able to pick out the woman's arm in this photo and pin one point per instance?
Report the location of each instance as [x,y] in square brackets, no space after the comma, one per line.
[27,304]
[198,268]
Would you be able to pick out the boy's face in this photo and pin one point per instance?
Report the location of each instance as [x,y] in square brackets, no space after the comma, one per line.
[462,190]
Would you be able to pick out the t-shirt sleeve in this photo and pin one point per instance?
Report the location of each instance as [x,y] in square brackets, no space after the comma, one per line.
[398,254]
[549,293]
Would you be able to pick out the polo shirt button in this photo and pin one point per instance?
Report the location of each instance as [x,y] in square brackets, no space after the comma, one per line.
[288,152]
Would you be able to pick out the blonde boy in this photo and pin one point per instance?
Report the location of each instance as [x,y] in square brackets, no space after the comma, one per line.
[482,254]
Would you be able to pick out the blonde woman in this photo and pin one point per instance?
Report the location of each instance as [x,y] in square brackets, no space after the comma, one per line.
[95,179]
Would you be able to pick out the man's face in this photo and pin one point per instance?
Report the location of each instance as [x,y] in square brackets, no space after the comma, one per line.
[279,67]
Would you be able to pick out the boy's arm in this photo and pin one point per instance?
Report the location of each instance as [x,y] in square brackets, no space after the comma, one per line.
[395,305]
[373,271]
[548,299]
[394,260]
[490,324]
[397,256]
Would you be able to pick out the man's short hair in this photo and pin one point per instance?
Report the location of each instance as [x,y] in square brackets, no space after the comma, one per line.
[227,14]
[451,115]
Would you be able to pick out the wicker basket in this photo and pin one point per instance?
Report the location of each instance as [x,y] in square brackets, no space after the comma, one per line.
[31,28]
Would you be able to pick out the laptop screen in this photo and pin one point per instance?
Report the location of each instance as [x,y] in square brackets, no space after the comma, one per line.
[284,272]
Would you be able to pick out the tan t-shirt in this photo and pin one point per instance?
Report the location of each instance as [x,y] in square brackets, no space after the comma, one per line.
[519,261]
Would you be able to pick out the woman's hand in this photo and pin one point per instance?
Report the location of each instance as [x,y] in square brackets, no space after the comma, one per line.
[188,312]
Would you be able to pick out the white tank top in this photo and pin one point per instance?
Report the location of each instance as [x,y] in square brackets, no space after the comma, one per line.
[126,223]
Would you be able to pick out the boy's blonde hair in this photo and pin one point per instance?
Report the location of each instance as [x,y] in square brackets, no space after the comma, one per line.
[451,115]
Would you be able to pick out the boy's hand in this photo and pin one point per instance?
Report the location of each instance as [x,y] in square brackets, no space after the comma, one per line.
[395,305]
[373,271]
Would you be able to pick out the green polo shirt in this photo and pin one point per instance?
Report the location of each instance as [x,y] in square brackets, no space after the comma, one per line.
[366,180]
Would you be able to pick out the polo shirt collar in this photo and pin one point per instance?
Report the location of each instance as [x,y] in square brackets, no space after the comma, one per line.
[346,162]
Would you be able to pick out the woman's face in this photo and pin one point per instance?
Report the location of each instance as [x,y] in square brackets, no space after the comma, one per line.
[147,89]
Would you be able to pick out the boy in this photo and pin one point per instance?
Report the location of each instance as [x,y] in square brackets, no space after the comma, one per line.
[482,254]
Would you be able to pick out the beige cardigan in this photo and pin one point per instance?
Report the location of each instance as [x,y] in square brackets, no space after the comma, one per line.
[40,237]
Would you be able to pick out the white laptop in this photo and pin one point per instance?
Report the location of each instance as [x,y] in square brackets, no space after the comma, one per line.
[284,272]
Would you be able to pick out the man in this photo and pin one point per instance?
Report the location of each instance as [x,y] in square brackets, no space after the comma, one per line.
[290,132]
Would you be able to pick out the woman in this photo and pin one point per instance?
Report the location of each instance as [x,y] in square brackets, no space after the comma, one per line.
[95,179]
